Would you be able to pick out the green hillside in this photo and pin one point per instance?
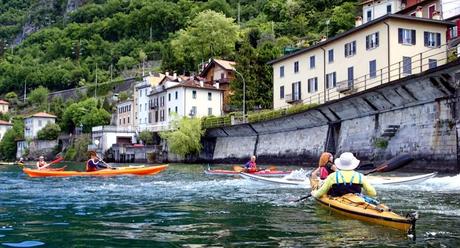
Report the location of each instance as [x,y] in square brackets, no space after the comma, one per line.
[118,35]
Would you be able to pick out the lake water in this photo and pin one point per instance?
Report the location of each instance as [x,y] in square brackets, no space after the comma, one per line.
[182,207]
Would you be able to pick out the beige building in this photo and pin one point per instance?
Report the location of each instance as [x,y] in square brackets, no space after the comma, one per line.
[379,51]
[125,114]
[4,106]
[221,72]
[4,126]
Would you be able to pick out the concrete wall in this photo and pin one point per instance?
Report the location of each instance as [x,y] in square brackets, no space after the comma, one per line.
[425,107]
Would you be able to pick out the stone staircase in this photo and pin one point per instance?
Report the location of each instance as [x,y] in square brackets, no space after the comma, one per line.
[390,131]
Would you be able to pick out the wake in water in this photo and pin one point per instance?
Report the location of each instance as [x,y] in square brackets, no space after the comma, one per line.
[436,184]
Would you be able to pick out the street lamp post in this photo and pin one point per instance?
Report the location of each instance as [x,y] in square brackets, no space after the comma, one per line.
[244,95]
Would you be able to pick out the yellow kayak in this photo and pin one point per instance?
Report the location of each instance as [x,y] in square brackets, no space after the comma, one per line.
[356,207]
[136,170]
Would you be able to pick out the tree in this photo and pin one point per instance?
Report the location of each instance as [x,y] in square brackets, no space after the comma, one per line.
[50,132]
[86,113]
[146,137]
[8,142]
[185,137]
[210,34]
[11,97]
[39,98]
[126,62]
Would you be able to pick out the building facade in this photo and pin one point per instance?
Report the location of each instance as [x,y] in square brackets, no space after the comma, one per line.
[379,51]
[125,114]
[4,106]
[4,126]
[182,96]
[373,9]
[107,136]
[35,123]
[141,114]
[220,72]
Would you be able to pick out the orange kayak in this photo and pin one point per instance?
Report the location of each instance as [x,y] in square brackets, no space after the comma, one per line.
[140,171]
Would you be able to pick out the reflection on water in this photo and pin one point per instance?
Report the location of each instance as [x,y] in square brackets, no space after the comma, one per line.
[184,207]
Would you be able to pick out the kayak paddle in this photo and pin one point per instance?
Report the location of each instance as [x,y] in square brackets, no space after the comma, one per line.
[238,168]
[390,165]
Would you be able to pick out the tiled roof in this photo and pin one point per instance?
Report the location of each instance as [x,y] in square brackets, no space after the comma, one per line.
[5,123]
[42,115]
[194,82]
[226,64]
[4,102]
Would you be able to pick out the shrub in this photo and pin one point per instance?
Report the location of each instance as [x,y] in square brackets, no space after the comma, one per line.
[39,98]
[185,137]
[146,137]
[49,132]
[381,143]
[70,154]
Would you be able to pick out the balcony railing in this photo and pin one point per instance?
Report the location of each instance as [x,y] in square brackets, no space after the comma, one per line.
[289,98]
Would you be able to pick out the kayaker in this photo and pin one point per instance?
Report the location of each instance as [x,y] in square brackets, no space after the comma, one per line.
[325,167]
[345,180]
[94,163]
[21,162]
[251,165]
[41,164]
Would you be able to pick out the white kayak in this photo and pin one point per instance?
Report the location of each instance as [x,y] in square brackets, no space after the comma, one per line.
[374,180]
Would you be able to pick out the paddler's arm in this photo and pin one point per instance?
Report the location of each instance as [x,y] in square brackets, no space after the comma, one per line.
[370,190]
[325,187]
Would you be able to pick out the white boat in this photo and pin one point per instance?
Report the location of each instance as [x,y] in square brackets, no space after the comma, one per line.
[374,180]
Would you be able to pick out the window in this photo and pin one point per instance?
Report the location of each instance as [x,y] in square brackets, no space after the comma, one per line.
[169,111]
[120,121]
[413,14]
[194,94]
[312,85]
[175,109]
[407,65]
[330,55]
[369,15]
[351,77]
[123,120]
[222,76]
[406,36]
[150,117]
[156,116]
[372,41]
[431,10]
[39,123]
[312,62]
[331,80]
[209,111]
[296,66]
[432,39]
[209,96]
[128,120]
[140,93]
[296,91]
[389,9]
[350,49]
[432,63]
[373,68]
[177,95]
[193,112]
[281,92]
[169,97]
[282,71]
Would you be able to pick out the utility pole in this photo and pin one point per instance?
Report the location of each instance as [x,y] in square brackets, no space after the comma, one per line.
[25,90]
[111,68]
[95,89]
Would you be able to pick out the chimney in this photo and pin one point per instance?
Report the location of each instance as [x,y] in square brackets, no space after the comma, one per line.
[419,12]
[167,73]
[436,15]
[175,76]
[358,21]
[323,38]
[217,85]
[201,83]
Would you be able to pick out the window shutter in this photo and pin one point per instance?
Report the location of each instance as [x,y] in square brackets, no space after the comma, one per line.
[292,92]
[300,91]
[316,84]
[334,80]
[367,42]
[346,50]
[413,37]
[354,47]
[438,39]
[309,86]
[400,35]
[426,37]
[377,39]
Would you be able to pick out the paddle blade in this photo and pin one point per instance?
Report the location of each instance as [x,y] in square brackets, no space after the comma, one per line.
[238,168]
[272,168]
[392,164]
[59,159]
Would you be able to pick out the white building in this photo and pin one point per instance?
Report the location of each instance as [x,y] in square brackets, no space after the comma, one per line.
[4,126]
[185,96]
[4,105]
[373,9]
[141,103]
[107,136]
[35,123]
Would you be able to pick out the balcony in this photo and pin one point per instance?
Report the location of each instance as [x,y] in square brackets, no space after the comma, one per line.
[289,98]
[345,86]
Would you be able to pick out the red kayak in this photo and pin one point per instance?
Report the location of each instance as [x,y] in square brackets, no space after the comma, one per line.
[265,173]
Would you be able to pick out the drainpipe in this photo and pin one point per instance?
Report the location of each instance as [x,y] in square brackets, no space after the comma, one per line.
[324,72]
[388,45]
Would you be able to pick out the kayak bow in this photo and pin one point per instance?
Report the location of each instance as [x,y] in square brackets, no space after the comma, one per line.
[140,171]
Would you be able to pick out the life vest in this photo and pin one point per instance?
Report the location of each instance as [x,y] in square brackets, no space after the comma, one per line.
[90,168]
[323,173]
[343,187]
[41,164]
[252,166]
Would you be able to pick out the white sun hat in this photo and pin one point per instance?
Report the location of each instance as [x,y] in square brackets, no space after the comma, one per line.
[346,161]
